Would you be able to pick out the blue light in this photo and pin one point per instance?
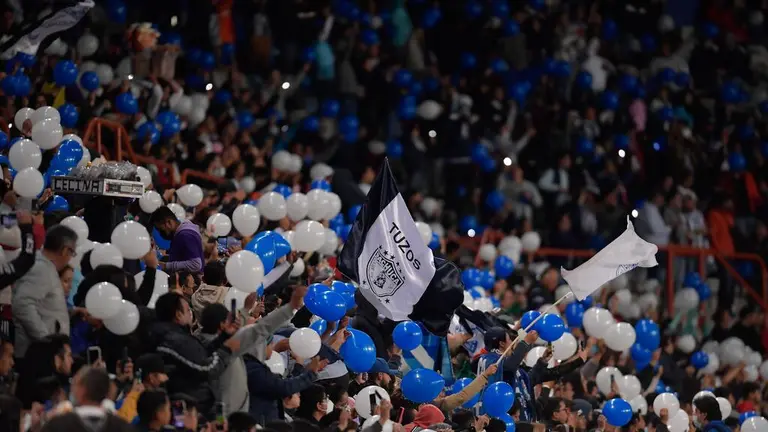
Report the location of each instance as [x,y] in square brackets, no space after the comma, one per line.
[656,146]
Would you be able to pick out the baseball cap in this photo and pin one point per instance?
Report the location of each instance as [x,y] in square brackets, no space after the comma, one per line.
[581,407]
[150,363]
[381,366]
[494,336]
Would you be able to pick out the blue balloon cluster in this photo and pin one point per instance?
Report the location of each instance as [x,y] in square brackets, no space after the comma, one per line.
[574,314]
[269,246]
[169,122]
[326,304]
[148,132]
[68,155]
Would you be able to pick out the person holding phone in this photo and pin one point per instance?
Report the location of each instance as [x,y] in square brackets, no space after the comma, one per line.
[150,374]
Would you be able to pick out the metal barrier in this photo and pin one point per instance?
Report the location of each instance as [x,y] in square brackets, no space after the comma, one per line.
[167,176]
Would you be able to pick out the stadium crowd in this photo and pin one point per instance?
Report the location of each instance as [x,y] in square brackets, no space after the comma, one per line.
[257,128]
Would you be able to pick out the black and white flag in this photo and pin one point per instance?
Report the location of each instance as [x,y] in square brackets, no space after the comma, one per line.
[396,272]
[28,37]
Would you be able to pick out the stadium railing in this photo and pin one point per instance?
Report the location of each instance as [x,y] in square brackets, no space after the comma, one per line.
[166,171]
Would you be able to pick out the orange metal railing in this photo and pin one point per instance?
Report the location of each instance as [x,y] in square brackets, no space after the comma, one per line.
[124,150]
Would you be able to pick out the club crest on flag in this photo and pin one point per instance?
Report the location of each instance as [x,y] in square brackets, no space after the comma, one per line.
[623,268]
[383,273]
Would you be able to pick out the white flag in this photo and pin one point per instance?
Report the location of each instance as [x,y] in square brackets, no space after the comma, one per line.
[620,256]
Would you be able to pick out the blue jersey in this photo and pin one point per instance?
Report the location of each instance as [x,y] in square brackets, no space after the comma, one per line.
[512,374]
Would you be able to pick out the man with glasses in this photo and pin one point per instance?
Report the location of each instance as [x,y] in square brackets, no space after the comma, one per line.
[556,411]
[39,304]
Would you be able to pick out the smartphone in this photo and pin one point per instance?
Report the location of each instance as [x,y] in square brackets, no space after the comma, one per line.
[582,344]
[138,375]
[178,408]
[372,398]
[124,359]
[221,416]
[233,310]
[93,354]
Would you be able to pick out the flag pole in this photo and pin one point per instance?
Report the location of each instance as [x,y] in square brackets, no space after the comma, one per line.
[520,335]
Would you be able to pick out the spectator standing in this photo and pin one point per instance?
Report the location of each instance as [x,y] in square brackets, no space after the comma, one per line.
[19,266]
[90,388]
[707,416]
[186,252]
[153,377]
[39,304]
[213,288]
[155,413]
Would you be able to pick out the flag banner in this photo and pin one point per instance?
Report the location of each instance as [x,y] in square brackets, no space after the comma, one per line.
[625,253]
[396,272]
[30,35]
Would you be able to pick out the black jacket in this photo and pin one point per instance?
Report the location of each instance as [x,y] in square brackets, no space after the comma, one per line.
[10,272]
[193,366]
[266,389]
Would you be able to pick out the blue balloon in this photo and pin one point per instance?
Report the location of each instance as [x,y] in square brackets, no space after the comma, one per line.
[320,326]
[665,113]
[511,28]
[471,278]
[337,220]
[730,92]
[487,279]
[498,398]
[574,314]
[628,83]
[311,124]
[10,84]
[160,241]
[610,29]
[369,37]
[348,128]
[536,4]
[610,100]
[691,279]
[699,359]
[422,385]
[648,334]
[479,153]
[172,38]
[459,385]
[346,291]
[65,73]
[283,190]
[509,422]
[584,80]
[431,17]
[504,266]
[473,9]
[617,412]
[710,30]
[402,78]
[358,351]
[282,247]
[640,354]
[89,81]
[3,140]
[406,107]
[495,200]
[667,75]
[737,162]
[745,415]
[500,8]
[528,318]
[207,61]
[324,185]
[562,69]
[23,86]
[407,335]
[330,108]
[621,142]
[328,305]
[57,203]
[263,245]
[584,146]
[222,96]
[148,131]
[68,155]
[26,60]
[468,60]
[227,53]
[704,291]
[170,129]
[551,327]
[468,222]
[244,119]
[116,11]
[682,79]
[126,103]
[435,243]
[394,149]
[69,115]
[353,211]
[498,65]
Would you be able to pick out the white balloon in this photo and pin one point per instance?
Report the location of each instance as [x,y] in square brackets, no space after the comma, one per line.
[429,110]
[668,401]
[132,239]
[245,271]
[160,287]
[87,45]
[666,23]
[178,211]
[510,244]
[754,424]
[88,66]
[623,295]
[219,225]
[318,202]
[197,116]
[144,176]
[686,343]
[28,183]
[597,321]
[281,160]
[562,291]
[106,254]
[125,321]
[276,363]
[247,184]
[309,236]
[754,359]
[430,206]
[150,201]
[725,407]
[732,351]
[81,250]
[364,188]
[124,69]
[289,236]
[425,232]
[363,398]
[713,365]
[47,133]
[330,244]
[534,355]
[105,73]
[246,219]
[686,299]
[564,348]
[620,336]
[531,241]
[44,113]
[103,300]
[297,206]
[238,296]
[629,387]
[272,206]
[679,423]
[703,393]
[79,226]
[751,374]
[295,164]
[21,116]
[190,195]
[334,206]
[305,343]
[57,48]
[183,106]
[377,147]
[764,370]
[638,403]
[603,378]
[487,252]
[298,268]
[201,100]
[25,154]
[711,346]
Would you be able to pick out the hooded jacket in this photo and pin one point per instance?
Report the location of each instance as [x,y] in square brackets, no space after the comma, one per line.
[267,388]
[231,386]
[426,417]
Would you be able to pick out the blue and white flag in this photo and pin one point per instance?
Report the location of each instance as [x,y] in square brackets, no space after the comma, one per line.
[395,270]
[625,253]
[29,36]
